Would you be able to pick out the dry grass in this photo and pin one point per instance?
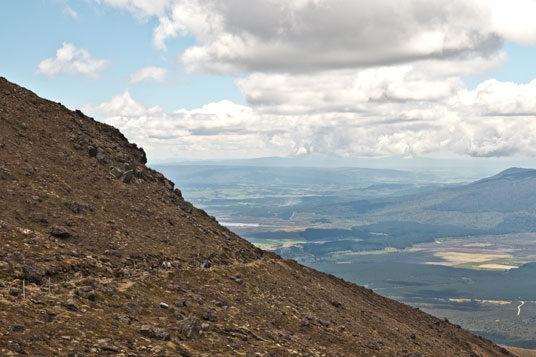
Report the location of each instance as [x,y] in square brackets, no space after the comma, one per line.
[521,352]
[497,266]
[456,258]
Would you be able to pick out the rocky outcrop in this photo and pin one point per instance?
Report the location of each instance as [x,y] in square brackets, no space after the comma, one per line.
[155,332]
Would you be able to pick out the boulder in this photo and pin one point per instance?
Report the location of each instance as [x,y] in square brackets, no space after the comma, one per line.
[180,303]
[178,315]
[335,303]
[154,332]
[128,176]
[109,348]
[15,347]
[32,273]
[92,151]
[74,206]
[169,185]
[323,322]
[139,154]
[18,328]
[60,232]
[190,327]
[186,206]
[101,157]
[116,172]
[87,292]
[146,330]
[161,333]
[71,305]
[237,278]
[138,173]
[132,308]
[210,315]
[124,319]
[15,291]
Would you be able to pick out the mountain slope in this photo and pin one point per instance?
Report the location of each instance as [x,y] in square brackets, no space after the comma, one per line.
[81,221]
[504,203]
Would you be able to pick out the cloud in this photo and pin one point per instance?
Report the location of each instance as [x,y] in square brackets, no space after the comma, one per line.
[141,9]
[71,59]
[215,127]
[450,122]
[166,29]
[69,11]
[494,98]
[346,91]
[157,74]
[169,25]
[354,90]
[318,35]
[514,20]
[340,77]
[122,105]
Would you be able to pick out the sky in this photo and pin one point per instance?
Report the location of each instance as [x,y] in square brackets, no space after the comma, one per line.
[209,79]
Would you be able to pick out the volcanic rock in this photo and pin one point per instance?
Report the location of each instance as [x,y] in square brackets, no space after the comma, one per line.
[128,176]
[154,332]
[32,273]
[190,327]
[116,172]
[60,232]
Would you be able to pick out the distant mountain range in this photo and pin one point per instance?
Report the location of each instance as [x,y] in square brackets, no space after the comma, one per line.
[212,175]
[503,203]
[467,169]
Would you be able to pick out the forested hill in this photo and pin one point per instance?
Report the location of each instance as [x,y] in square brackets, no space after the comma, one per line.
[504,203]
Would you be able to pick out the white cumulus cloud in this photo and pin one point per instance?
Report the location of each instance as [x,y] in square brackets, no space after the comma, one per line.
[71,59]
[311,35]
[494,98]
[340,77]
[122,105]
[340,120]
[157,74]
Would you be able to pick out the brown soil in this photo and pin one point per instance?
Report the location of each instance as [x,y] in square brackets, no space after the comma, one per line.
[522,352]
[81,221]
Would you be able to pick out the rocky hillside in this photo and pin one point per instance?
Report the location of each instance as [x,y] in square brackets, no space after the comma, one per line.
[82,219]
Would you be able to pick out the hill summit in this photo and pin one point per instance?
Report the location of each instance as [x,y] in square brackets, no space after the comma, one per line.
[85,226]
